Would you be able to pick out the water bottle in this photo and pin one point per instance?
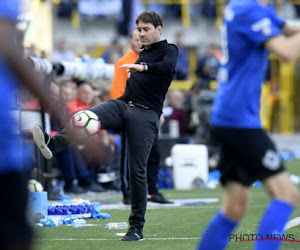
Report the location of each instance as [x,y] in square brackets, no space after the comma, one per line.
[120,225]
[79,223]
[51,210]
[174,129]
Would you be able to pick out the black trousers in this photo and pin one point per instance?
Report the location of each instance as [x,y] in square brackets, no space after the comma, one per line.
[141,126]
[124,169]
[152,167]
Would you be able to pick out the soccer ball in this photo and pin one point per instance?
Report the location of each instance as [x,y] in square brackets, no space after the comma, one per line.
[86,121]
[35,186]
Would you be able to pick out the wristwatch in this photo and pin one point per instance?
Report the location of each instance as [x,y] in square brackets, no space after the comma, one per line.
[145,66]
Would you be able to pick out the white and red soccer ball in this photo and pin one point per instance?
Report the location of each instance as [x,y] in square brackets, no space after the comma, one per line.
[86,121]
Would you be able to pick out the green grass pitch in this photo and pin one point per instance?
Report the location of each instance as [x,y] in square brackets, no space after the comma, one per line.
[165,228]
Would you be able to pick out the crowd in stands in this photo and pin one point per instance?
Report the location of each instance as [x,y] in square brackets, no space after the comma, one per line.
[198,9]
[201,8]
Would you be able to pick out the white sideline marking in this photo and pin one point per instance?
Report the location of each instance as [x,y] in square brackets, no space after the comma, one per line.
[118,239]
[87,225]
[292,223]
[152,205]
[121,234]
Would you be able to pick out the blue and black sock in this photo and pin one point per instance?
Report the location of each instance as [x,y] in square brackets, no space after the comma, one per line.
[272,224]
[216,234]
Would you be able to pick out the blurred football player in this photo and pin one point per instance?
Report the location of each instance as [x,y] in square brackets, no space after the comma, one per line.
[251,29]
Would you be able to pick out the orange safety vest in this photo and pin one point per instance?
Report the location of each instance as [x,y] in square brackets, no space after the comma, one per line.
[120,75]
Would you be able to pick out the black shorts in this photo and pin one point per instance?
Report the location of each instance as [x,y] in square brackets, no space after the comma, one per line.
[247,155]
[14,228]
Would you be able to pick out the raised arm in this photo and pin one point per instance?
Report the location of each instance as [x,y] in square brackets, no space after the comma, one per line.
[286,47]
[289,30]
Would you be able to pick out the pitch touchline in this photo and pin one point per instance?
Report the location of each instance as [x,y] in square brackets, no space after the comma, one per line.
[292,223]
[119,239]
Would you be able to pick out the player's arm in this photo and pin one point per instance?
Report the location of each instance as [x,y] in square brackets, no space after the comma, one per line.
[289,30]
[287,48]
[12,54]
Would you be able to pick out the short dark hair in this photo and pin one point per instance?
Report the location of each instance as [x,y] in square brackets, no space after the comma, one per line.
[150,17]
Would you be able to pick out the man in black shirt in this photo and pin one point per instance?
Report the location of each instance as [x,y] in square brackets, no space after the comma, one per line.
[137,113]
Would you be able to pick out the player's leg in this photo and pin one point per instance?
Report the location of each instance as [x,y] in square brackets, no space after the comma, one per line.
[284,197]
[267,167]
[234,207]
[259,160]
[236,184]
[235,200]
[142,127]
[281,187]
[109,113]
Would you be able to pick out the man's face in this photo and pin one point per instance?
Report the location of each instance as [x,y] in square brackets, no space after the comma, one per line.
[135,41]
[66,94]
[85,94]
[148,33]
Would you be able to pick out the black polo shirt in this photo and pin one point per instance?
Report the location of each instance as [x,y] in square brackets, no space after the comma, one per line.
[149,87]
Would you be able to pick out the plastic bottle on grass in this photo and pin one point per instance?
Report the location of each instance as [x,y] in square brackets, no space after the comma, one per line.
[120,225]
[78,223]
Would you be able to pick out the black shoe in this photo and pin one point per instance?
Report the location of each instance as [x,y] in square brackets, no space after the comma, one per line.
[95,187]
[75,189]
[133,234]
[127,201]
[42,139]
[159,199]
[112,185]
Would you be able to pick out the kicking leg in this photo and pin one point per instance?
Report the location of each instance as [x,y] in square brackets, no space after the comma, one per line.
[110,115]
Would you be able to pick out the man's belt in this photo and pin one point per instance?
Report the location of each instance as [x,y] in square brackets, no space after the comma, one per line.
[134,104]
